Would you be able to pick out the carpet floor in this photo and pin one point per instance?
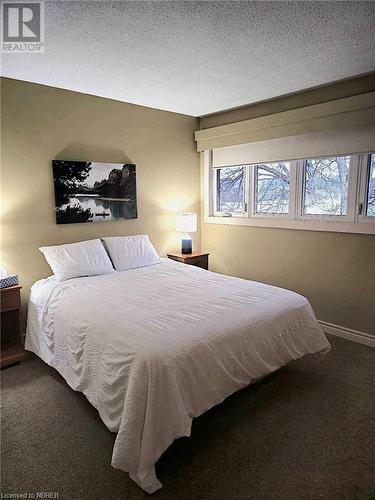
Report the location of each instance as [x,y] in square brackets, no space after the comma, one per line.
[306,432]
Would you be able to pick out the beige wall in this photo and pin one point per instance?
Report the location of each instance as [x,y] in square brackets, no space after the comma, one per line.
[40,123]
[335,271]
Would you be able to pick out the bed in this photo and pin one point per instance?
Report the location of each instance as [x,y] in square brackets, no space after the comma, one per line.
[152,348]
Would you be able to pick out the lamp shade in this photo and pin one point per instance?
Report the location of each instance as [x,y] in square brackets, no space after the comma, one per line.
[186,223]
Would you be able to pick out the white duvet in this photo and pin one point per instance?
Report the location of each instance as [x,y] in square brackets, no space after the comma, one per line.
[151,348]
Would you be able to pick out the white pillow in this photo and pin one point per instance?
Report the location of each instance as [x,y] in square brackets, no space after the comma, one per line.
[86,258]
[129,252]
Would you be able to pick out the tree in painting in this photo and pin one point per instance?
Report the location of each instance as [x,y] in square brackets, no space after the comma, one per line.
[67,175]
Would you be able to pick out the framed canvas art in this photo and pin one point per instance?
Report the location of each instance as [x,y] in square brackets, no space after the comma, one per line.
[94,192]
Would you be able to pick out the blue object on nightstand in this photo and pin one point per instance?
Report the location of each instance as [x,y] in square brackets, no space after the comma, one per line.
[186,245]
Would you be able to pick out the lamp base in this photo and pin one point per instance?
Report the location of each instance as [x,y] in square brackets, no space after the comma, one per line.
[186,245]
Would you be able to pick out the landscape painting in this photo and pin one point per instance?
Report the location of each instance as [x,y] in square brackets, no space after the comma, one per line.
[94,192]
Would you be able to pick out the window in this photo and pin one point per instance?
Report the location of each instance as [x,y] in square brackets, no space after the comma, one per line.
[272,188]
[370,201]
[231,190]
[334,193]
[326,186]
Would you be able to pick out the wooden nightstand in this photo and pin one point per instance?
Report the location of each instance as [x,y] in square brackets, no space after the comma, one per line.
[12,350]
[194,259]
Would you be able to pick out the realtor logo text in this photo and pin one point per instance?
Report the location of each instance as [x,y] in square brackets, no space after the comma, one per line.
[22,27]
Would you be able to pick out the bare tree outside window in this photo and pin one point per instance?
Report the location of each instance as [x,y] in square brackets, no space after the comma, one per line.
[298,193]
[231,189]
[371,188]
[326,186]
[272,188]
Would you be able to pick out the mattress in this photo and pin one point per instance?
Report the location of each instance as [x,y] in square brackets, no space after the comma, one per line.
[154,347]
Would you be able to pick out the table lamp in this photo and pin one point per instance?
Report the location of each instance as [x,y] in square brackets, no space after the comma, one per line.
[186,223]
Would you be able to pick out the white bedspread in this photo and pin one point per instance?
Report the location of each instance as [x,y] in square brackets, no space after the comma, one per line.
[152,348]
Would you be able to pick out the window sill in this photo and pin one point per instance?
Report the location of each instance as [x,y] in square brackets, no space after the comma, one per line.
[360,227]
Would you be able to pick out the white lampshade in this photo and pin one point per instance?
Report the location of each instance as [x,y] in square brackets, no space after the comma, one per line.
[186,223]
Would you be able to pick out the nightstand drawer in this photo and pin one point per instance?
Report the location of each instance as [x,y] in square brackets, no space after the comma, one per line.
[201,261]
[10,300]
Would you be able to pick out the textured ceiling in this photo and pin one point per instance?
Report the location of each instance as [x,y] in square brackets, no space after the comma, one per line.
[198,57]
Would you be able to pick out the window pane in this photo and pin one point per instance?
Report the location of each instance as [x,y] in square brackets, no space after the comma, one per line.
[326,186]
[272,188]
[231,189]
[371,188]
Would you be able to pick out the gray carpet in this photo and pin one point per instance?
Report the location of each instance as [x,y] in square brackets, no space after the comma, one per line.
[306,432]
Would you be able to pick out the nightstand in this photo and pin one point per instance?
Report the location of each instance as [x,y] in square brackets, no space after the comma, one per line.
[12,350]
[194,259]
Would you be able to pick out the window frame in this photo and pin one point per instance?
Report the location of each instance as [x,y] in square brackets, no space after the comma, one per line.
[350,215]
[352,222]
[253,192]
[215,180]
[363,185]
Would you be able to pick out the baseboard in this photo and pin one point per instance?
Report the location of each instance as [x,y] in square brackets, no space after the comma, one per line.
[348,334]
